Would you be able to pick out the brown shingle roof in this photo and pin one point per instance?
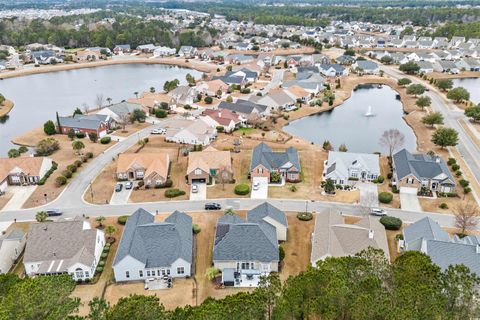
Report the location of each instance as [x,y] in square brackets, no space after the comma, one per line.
[29,165]
[151,162]
[210,158]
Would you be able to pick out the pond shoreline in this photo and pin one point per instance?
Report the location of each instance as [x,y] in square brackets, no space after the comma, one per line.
[6,107]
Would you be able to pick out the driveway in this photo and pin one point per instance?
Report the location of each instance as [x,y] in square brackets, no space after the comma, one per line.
[202,192]
[121,197]
[368,194]
[20,195]
[409,199]
[262,192]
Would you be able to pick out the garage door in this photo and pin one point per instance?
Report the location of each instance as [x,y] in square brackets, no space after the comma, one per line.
[198,180]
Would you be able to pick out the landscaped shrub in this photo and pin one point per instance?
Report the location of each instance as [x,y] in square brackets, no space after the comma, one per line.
[208,100]
[399,237]
[99,269]
[101,263]
[242,189]
[78,163]
[391,223]
[281,253]
[80,135]
[60,181]
[104,255]
[395,189]
[443,205]
[385,197]
[389,175]
[464,183]
[159,113]
[458,173]
[305,216]
[140,183]
[105,140]
[380,179]
[67,173]
[455,167]
[451,161]
[48,174]
[89,155]
[72,167]
[196,229]
[106,249]
[122,220]
[172,193]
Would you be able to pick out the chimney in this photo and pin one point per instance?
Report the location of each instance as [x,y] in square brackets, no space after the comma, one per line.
[370,234]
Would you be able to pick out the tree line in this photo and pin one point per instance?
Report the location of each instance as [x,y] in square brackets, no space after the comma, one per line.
[365,286]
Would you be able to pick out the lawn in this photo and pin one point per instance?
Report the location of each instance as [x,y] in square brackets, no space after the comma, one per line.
[241,165]
[103,186]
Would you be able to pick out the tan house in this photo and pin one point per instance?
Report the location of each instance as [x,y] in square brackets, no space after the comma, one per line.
[22,170]
[151,100]
[265,161]
[213,87]
[152,168]
[208,165]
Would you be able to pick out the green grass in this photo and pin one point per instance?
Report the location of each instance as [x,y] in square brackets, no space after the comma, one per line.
[245,130]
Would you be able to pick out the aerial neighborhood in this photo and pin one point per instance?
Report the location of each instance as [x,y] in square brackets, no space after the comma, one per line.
[246,161]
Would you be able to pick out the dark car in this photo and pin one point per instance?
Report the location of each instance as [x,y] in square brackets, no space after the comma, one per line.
[213,206]
[118,187]
[53,212]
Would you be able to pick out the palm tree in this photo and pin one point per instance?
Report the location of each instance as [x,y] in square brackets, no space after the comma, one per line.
[100,220]
[109,100]
[152,89]
[41,216]
[136,94]
[110,230]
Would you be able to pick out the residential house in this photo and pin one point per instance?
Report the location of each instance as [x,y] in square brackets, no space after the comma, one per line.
[332,237]
[187,51]
[22,171]
[239,58]
[469,64]
[272,215]
[298,93]
[366,66]
[83,56]
[195,132]
[447,66]
[122,48]
[265,161]
[184,95]
[150,100]
[343,167]
[245,108]
[275,99]
[150,249]
[151,168]
[146,48]
[425,66]
[164,51]
[12,244]
[122,111]
[247,74]
[212,88]
[209,165]
[345,60]
[45,57]
[79,123]
[244,251]
[333,70]
[224,118]
[63,247]
[421,170]
[426,236]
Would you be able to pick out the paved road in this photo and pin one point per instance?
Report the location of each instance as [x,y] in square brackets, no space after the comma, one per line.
[469,151]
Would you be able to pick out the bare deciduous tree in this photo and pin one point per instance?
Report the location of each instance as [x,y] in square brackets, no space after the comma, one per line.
[466,216]
[124,120]
[223,177]
[99,101]
[392,139]
[85,108]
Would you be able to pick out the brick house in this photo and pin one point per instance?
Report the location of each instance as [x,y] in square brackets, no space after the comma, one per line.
[94,123]
[152,168]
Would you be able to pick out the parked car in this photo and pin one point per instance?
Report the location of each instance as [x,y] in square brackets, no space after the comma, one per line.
[213,206]
[129,185]
[118,187]
[256,186]
[378,212]
[194,188]
[53,212]
[158,131]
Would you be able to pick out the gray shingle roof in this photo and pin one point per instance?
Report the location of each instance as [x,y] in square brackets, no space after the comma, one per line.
[425,228]
[267,210]
[124,107]
[242,106]
[445,254]
[157,244]
[419,165]
[84,122]
[245,241]
[367,64]
[264,155]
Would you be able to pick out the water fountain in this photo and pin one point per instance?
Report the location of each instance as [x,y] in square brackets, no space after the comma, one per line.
[369,112]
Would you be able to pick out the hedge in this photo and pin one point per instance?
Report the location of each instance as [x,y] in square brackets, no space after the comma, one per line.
[104,255]
[122,220]
[281,253]
[105,140]
[391,223]
[80,135]
[242,189]
[305,216]
[385,197]
[54,167]
[172,193]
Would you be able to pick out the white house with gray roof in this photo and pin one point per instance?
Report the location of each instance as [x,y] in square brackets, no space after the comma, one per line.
[120,111]
[11,247]
[367,66]
[150,249]
[426,236]
[342,167]
[421,170]
[244,251]
[64,246]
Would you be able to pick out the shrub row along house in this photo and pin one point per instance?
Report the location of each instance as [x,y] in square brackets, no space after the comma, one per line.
[22,171]
[151,168]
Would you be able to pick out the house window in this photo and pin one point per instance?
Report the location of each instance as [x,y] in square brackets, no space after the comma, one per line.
[180,270]
[260,170]
[158,272]
[87,274]
[79,273]
[354,175]
[140,273]
[341,182]
[127,274]
[198,172]
[148,273]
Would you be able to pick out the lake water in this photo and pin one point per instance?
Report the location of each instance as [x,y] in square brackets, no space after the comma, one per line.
[472,85]
[348,124]
[38,97]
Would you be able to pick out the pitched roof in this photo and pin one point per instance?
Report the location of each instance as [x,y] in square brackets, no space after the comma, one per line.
[264,155]
[59,245]
[421,166]
[124,107]
[29,165]
[151,162]
[222,117]
[149,99]
[242,106]
[267,210]
[209,158]
[425,228]
[341,161]
[156,244]
[367,64]
[237,240]
[84,122]
[332,237]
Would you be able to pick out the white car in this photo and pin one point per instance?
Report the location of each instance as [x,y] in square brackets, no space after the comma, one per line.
[378,212]
[256,185]
[194,188]
[158,131]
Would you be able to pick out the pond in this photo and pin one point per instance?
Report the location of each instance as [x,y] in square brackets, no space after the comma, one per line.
[472,85]
[38,97]
[359,122]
